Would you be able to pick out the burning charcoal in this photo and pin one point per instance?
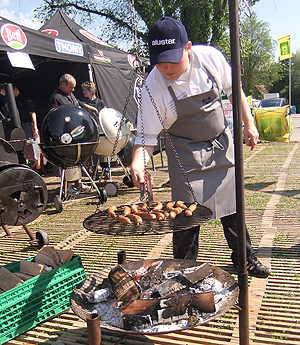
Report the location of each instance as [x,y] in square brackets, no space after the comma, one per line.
[198,273]
[134,322]
[174,311]
[170,275]
[100,295]
[141,307]
[170,286]
[153,275]
[138,274]
[176,305]
[150,293]
[176,300]
[122,284]
[204,302]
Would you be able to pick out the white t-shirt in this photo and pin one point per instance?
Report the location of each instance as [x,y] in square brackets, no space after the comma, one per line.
[194,81]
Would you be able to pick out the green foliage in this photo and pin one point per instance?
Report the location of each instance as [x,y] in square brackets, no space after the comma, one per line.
[205,20]
[259,63]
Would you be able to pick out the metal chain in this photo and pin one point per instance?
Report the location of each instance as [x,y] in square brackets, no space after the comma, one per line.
[142,81]
[170,141]
[123,119]
[134,76]
[133,26]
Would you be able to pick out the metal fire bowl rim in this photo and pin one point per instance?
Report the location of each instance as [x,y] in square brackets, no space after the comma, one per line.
[81,307]
[101,223]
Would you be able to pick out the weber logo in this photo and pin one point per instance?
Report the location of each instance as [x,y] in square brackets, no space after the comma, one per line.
[163,42]
[13,36]
[67,47]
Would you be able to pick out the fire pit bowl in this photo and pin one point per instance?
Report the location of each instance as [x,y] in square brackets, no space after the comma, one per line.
[174,284]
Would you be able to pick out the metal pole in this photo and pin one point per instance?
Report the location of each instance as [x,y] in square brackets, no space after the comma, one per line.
[290,74]
[239,172]
[93,328]
[290,89]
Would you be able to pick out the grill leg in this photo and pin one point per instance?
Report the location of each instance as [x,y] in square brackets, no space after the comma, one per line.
[29,233]
[5,228]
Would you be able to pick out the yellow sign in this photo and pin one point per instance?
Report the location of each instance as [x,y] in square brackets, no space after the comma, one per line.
[284,47]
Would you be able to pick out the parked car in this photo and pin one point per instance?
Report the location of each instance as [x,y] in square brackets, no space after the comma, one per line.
[273,102]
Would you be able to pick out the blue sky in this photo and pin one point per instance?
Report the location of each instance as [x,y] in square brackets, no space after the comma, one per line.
[282,15]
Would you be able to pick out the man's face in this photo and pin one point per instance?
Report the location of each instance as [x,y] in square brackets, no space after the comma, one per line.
[173,71]
[68,88]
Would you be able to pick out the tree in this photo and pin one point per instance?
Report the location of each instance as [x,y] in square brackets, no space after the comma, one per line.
[206,21]
[258,59]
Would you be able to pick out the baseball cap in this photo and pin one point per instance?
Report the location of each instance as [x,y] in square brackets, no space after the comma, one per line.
[166,39]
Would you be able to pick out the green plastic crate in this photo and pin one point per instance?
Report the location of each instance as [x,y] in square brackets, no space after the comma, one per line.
[38,298]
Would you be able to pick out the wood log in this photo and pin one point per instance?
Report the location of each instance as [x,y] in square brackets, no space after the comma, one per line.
[50,256]
[47,256]
[198,274]
[23,276]
[141,307]
[31,268]
[8,280]
[64,255]
[204,302]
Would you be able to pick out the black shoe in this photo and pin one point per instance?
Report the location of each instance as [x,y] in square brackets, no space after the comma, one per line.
[40,172]
[254,267]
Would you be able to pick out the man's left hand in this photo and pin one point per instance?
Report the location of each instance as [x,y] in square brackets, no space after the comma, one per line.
[250,135]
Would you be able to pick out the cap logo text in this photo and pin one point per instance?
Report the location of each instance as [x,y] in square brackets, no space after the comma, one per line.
[163,42]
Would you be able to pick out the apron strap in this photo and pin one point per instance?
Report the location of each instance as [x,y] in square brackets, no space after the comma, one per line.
[172,93]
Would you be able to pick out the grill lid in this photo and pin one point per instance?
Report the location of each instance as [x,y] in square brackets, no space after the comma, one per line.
[69,135]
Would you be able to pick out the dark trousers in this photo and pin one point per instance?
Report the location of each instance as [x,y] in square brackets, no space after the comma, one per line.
[186,242]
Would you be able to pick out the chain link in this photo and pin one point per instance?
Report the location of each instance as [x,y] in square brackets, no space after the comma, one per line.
[133,26]
[134,76]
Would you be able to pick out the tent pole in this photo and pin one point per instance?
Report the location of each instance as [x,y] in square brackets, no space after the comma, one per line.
[90,72]
[239,173]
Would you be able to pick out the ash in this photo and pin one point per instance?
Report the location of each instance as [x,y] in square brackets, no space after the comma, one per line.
[218,289]
[100,295]
[163,328]
[109,313]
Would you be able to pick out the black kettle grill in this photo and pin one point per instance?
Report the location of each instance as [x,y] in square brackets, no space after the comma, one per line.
[69,136]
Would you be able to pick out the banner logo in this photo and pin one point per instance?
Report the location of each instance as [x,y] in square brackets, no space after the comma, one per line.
[92,37]
[284,47]
[68,47]
[50,32]
[13,36]
[132,60]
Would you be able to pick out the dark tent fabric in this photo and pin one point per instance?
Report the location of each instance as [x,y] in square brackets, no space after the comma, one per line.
[68,49]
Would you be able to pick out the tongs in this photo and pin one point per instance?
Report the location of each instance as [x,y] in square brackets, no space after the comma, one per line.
[146,190]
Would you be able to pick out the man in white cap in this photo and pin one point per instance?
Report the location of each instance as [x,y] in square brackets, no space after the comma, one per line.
[186,84]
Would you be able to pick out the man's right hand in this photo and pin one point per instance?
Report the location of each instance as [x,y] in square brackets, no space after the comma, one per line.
[138,164]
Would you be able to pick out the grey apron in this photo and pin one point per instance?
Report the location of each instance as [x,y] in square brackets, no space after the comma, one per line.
[204,145]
